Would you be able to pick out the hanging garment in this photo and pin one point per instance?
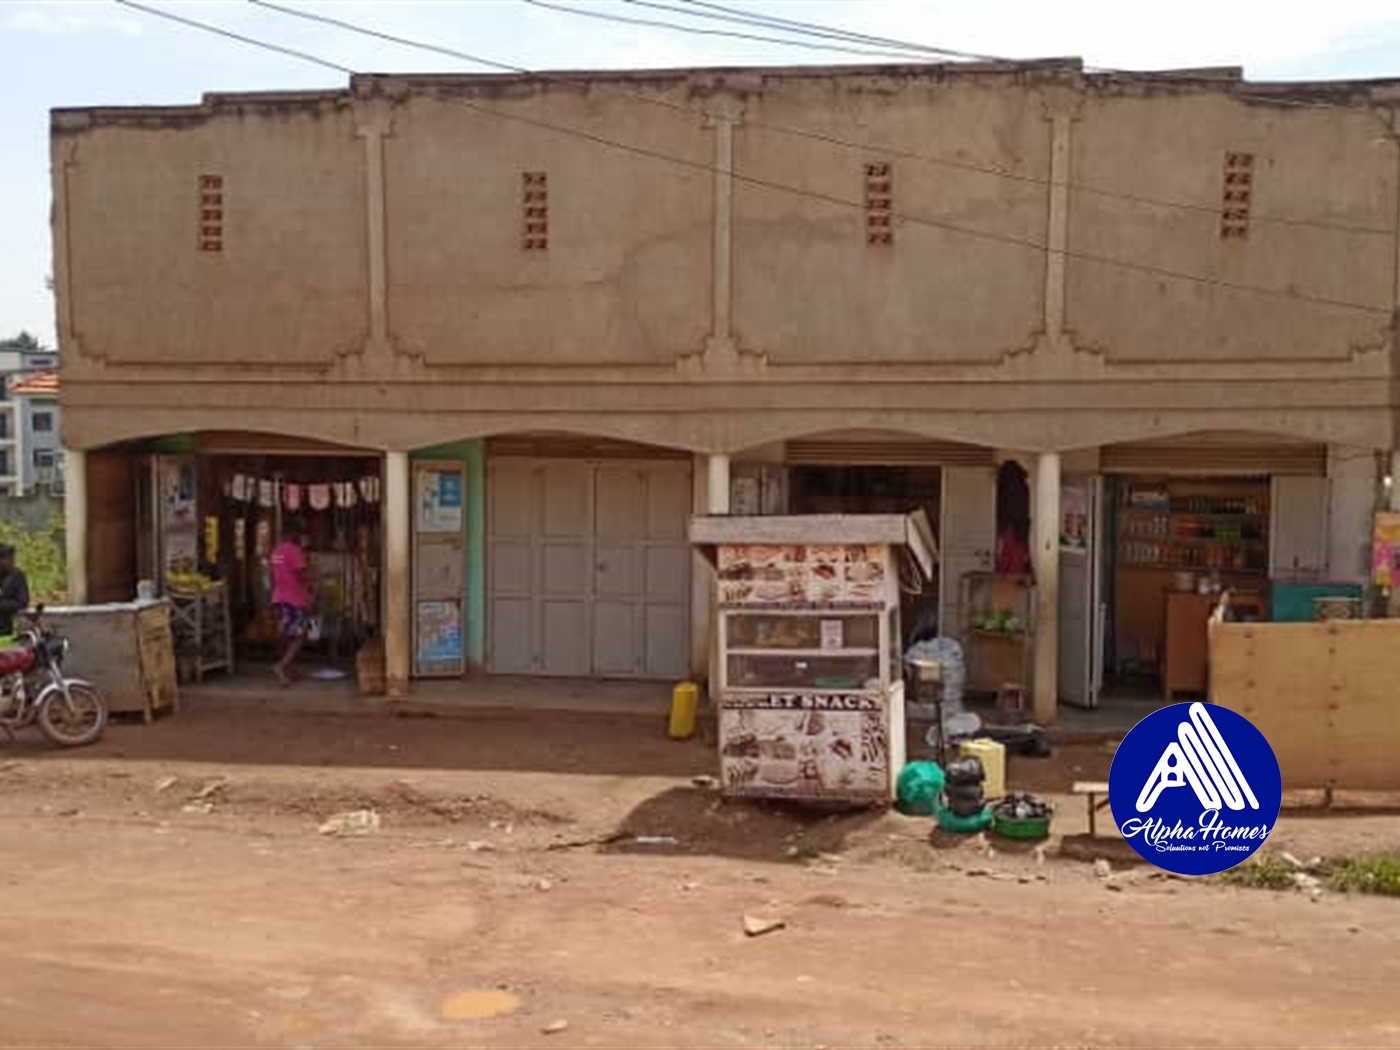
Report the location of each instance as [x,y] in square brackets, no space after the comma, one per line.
[345,497]
[319,496]
[291,497]
[241,488]
[369,489]
[267,493]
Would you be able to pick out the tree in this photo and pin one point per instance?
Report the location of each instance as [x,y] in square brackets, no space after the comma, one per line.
[25,343]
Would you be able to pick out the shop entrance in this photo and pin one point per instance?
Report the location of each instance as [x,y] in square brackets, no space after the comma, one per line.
[208,521]
[1175,542]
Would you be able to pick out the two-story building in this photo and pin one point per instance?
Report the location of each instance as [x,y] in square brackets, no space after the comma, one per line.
[495,338]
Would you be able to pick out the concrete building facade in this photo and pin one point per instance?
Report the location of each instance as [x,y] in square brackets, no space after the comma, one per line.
[624,289]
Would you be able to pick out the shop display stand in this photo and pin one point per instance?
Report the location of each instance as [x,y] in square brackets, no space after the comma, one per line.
[203,630]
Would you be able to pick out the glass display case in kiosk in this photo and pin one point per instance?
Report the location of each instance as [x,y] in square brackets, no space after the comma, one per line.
[807,669]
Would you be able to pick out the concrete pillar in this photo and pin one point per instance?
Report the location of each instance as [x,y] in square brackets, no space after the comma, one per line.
[1393,488]
[398,634]
[75,521]
[719,485]
[1045,560]
[1392,496]
[701,576]
[716,502]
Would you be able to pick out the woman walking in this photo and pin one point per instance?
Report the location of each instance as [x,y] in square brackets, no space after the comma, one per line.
[291,597]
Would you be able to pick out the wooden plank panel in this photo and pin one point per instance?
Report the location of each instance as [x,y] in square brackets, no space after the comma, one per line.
[1365,734]
[111,526]
[1277,676]
[1323,694]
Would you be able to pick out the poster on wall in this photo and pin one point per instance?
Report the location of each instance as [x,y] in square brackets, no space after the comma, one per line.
[803,575]
[1385,550]
[1074,518]
[177,493]
[804,746]
[439,501]
[439,636]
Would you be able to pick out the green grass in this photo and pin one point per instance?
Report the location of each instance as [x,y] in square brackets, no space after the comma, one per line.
[1264,872]
[39,552]
[1377,873]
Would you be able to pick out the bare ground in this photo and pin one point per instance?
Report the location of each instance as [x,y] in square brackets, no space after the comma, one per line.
[169,888]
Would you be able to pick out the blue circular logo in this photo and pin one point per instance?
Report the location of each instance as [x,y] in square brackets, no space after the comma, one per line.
[1195,788]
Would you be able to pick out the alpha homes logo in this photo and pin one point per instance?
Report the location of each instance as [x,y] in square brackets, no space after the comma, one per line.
[1195,790]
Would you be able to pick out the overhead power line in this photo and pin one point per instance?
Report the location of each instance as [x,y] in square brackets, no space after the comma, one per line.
[831,32]
[1160,76]
[652,23]
[699,9]
[231,35]
[893,152]
[830,199]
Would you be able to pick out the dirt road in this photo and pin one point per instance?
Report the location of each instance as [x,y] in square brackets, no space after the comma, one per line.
[170,888]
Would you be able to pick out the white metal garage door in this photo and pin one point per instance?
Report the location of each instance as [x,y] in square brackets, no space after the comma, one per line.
[588,568]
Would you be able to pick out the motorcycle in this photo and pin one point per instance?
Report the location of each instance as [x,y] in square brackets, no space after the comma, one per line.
[70,712]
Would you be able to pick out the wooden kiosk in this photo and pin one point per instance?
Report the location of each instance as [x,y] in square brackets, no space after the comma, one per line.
[807,672]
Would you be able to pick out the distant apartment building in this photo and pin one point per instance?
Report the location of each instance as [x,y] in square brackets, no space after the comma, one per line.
[30,451]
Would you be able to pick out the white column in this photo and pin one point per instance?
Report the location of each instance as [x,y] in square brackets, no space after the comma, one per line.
[701,576]
[717,502]
[398,635]
[75,521]
[1045,560]
[718,495]
[1393,491]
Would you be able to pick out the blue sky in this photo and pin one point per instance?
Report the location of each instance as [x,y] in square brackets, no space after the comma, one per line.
[59,53]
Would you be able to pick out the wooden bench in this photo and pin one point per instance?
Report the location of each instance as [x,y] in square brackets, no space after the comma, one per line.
[1095,793]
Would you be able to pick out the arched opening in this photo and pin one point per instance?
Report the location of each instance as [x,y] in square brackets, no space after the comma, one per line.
[885,472]
[561,554]
[196,518]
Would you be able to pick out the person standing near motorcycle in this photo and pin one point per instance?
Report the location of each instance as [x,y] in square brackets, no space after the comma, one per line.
[14,590]
[291,597]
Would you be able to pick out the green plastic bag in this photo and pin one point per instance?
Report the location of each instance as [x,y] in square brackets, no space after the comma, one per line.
[919,789]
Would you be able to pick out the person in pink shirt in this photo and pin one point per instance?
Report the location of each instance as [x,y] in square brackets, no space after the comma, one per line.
[291,597]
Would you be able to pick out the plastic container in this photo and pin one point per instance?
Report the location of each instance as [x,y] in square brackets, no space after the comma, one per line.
[919,788]
[685,703]
[950,822]
[992,755]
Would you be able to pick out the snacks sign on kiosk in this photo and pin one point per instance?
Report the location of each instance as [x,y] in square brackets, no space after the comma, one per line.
[808,670]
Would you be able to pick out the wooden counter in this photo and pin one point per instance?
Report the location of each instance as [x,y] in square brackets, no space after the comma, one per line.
[1184,670]
[1186,667]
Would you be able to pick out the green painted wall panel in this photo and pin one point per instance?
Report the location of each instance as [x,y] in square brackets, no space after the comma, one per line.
[472,454]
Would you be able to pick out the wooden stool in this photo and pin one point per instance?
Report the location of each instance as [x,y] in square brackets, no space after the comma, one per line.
[1011,697]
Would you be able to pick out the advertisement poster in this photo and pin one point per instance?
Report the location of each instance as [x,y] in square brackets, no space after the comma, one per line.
[439,634]
[1074,518]
[807,575]
[177,493]
[804,746]
[439,501]
[1385,549]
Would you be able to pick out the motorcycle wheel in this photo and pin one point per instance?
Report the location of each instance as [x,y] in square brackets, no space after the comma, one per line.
[77,724]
